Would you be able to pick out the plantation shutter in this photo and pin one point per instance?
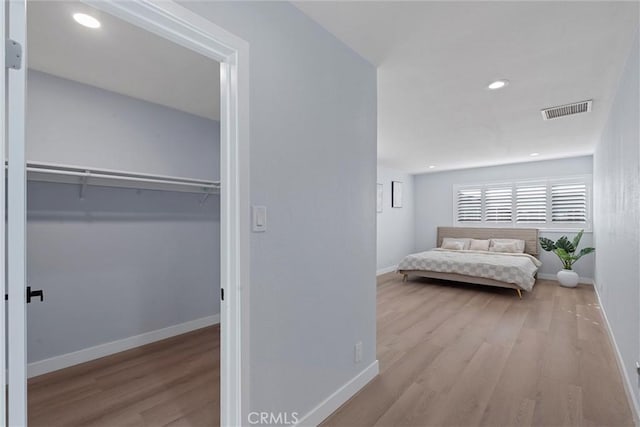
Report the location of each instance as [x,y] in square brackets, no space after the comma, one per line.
[569,202]
[498,202]
[531,203]
[469,205]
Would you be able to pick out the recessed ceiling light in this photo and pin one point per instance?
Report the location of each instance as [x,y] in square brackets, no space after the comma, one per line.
[498,84]
[86,20]
[432,166]
[534,154]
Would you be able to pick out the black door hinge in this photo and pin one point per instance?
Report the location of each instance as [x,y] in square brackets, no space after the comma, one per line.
[34,294]
[222,294]
[30,294]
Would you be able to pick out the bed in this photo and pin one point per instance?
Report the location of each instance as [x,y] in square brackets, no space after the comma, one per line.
[514,271]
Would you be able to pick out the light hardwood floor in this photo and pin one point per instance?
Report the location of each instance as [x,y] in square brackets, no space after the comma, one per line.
[465,355]
[450,355]
[175,382]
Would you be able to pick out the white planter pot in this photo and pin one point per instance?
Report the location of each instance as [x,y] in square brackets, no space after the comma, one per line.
[568,278]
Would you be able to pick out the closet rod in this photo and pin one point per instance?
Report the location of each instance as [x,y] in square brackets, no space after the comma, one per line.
[115,173]
[88,176]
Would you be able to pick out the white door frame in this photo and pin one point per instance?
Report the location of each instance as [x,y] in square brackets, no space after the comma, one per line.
[3,287]
[184,27]
[16,223]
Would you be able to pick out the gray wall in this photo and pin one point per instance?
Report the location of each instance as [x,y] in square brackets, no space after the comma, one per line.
[120,262]
[117,264]
[73,123]
[434,201]
[313,164]
[396,237]
[617,218]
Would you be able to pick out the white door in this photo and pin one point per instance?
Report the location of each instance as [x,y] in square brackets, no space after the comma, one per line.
[15,70]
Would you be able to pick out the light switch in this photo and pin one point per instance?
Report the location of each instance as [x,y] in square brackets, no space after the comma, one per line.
[259,219]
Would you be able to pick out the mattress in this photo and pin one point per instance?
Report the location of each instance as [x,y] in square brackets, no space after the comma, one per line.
[516,269]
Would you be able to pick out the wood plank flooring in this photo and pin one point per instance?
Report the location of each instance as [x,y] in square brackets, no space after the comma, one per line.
[450,355]
[465,355]
[175,382]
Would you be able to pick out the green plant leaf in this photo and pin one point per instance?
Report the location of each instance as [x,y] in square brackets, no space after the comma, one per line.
[586,251]
[563,254]
[576,240]
[565,244]
[547,244]
[583,252]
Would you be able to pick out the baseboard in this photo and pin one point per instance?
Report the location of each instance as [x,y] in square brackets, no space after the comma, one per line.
[628,383]
[547,276]
[65,360]
[386,270]
[339,397]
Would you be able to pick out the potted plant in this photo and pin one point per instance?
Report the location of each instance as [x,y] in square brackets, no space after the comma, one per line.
[566,251]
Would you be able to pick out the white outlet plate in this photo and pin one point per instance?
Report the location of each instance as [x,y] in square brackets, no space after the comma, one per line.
[358,352]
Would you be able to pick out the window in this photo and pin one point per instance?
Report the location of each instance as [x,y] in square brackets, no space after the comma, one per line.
[569,202]
[498,204]
[469,208]
[550,203]
[531,203]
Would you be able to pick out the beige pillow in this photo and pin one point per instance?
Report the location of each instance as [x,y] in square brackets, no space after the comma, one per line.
[453,245]
[519,244]
[464,242]
[509,248]
[479,245]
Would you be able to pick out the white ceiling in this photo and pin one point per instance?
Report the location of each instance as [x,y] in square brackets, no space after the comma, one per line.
[121,58]
[435,60]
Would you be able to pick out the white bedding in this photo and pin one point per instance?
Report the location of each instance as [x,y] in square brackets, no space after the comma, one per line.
[517,269]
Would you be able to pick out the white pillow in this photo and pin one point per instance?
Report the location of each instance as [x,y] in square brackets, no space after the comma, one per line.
[453,245]
[509,248]
[519,244]
[479,245]
[465,242]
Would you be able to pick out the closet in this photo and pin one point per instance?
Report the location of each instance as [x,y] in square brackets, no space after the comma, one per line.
[123,223]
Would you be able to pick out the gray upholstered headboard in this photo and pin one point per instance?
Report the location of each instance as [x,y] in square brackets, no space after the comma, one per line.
[529,235]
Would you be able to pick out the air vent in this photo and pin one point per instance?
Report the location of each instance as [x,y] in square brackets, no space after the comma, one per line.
[566,110]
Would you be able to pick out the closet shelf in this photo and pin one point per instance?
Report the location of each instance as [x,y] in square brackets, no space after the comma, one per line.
[88,176]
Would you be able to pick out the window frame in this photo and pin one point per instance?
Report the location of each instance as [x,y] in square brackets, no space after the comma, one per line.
[548,225]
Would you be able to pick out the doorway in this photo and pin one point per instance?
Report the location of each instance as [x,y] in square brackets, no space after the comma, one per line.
[180,26]
[123,223]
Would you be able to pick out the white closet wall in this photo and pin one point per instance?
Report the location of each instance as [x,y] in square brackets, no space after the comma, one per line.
[120,262]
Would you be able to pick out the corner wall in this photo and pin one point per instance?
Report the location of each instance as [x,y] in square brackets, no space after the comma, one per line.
[395,226]
[313,165]
[617,220]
